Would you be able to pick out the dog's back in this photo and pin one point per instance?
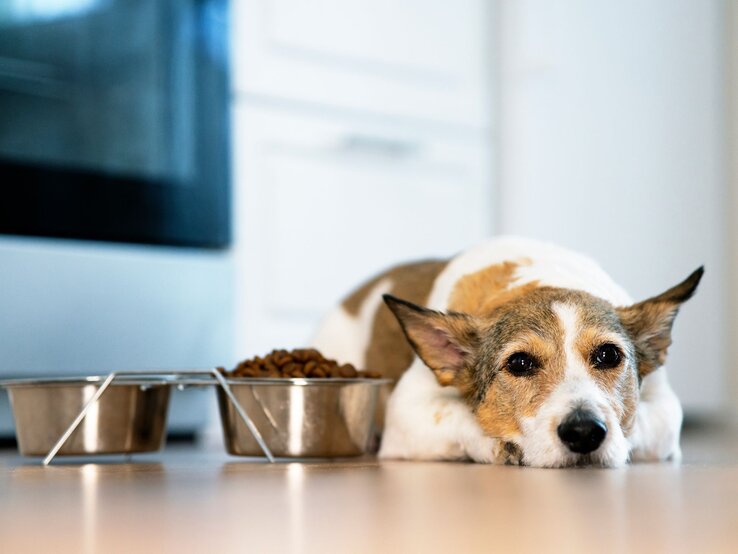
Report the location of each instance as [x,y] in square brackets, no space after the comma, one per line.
[363,331]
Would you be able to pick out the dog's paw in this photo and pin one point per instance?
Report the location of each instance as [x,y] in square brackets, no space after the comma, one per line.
[485,450]
[511,454]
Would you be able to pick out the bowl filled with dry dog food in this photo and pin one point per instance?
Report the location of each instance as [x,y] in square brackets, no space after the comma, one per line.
[303,404]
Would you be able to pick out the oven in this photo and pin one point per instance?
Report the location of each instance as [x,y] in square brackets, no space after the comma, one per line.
[115,189]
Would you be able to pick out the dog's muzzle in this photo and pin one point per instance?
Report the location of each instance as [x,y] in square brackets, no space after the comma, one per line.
[582,432]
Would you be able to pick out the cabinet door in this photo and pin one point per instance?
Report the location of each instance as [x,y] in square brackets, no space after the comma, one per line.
[322,205]
[417,58]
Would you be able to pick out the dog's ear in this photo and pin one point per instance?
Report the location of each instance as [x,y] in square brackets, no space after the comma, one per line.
[649,322]
[445,342]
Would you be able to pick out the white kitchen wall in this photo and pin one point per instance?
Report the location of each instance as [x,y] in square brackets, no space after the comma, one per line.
[731,50]
[611,134]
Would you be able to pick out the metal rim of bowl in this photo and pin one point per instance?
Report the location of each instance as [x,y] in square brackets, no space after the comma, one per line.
[306,381]
[87,380]
[190,380]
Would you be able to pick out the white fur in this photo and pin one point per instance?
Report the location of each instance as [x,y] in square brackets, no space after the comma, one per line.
[431,424]
[427,421]
[658,421]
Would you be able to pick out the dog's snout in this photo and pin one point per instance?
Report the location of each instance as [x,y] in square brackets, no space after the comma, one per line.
[582,432]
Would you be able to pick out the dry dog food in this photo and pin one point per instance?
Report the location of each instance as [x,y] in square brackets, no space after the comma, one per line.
[301,362]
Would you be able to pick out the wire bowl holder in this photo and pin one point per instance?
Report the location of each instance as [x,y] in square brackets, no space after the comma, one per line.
[173,378]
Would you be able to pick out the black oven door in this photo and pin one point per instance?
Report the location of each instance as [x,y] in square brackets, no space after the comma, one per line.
[114,121]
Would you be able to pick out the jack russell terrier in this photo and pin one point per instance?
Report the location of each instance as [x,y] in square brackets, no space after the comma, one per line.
[522,353]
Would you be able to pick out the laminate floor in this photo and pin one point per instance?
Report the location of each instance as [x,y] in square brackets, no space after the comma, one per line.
[189,500]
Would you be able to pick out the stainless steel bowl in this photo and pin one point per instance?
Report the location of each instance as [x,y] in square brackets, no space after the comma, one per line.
[302,418]
[129,417]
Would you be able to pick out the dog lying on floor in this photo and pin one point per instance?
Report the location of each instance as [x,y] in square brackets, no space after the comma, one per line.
[523,353]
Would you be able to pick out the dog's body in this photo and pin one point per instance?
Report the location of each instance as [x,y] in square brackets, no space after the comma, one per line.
[519,348]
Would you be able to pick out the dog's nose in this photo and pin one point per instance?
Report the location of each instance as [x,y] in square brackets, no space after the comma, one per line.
[582,432]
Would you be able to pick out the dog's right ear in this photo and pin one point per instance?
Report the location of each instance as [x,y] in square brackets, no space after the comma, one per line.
[650,322]
[445,342]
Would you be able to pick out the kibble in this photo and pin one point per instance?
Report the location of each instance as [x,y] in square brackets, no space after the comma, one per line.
[301,362]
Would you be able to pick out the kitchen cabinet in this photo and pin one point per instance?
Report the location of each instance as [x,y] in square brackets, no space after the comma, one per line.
[363,137]
[323,203]
[421,59]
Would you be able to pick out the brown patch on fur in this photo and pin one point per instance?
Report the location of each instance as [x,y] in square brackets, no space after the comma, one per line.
[629,393]
[497,415]
[652,323]
[479,293]
[446,377]
[388,351]
[412,281]
[510,398]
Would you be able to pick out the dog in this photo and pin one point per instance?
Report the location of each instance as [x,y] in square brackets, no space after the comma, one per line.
[515,352]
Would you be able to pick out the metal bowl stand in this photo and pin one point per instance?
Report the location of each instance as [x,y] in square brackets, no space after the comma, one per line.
[179,378]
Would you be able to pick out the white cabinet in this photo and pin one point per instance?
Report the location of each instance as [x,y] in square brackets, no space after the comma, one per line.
[422,59]
[323,203]
[361,139]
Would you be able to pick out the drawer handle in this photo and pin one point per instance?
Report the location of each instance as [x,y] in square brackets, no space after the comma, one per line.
[379,146]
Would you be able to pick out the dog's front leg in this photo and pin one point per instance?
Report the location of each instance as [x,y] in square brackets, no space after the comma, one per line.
[425,421]
[655,435]
[442,430]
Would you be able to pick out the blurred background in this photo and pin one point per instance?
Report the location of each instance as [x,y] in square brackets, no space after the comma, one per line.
[186,183]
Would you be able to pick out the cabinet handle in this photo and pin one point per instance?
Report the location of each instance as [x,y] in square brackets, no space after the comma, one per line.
[379,146]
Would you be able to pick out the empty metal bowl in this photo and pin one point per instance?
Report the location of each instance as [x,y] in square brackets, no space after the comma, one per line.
[129,417]
[302,418]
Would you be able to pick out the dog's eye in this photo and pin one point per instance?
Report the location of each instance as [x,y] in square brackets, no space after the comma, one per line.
[521,364]
[606,356]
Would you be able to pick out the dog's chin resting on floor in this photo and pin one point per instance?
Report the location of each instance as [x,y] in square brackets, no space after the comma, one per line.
[515,352]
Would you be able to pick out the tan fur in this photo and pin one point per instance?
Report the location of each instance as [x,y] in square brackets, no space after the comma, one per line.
[510,398]
[412,281]
[482,291]
[639,319]
[649,322]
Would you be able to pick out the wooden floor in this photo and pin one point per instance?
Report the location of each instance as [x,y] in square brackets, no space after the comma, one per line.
[187,501]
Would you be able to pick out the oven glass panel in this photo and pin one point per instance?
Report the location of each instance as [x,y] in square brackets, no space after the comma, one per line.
[114,116]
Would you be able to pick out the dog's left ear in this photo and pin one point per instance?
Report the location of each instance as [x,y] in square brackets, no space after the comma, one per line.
[649,322]
[445,342]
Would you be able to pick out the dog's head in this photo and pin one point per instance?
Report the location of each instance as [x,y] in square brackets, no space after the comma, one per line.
[553,373]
